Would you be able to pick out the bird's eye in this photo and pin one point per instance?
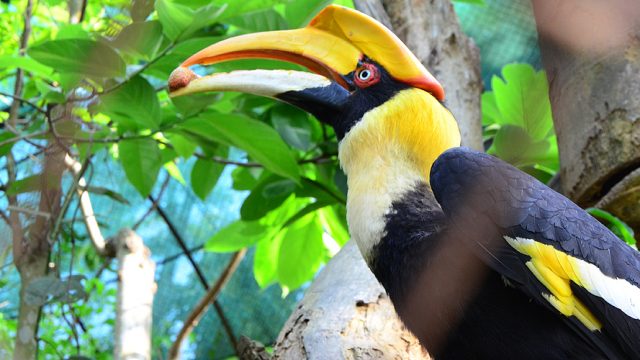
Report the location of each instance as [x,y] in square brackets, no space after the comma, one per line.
[366,75]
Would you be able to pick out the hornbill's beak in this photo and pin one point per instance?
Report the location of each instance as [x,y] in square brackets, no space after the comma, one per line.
[331,46]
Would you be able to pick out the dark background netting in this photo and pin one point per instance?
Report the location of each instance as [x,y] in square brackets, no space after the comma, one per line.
[504,30]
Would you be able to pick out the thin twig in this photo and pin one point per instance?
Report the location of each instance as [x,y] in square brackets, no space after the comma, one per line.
[208,298]
[154,204]
[20,99]
[67,200]
[28,211]
[22,137]
[196,268]
[140,70]
[173,257]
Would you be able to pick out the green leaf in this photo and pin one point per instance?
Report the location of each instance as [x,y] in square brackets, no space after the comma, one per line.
[305,211]
[134,105]
[334,221]
[79,57]
[301,252]
[617,226]
[490,112]
[266,196]
[183,146]
[245,178]
[299,13]
[259,140]
[4,149]
[523,99]
[174,172]
[27,184]
[293,125]
[180,21]
[265,260]
[193,104]
[236,236]
[204,176]
[234,8]
[141,160]
[8,62]
[140,38]
[72,31]
[260,20]
[320,191]
[514,145]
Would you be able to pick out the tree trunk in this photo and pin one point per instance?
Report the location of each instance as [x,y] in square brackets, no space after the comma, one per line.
[136,289]
[591,53]
[346,314]
[31,251]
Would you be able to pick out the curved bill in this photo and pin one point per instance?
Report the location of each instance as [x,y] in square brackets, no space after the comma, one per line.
[331,45]
[268,83]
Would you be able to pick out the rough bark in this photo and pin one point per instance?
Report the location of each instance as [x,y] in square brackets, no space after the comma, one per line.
[346,314]
[136,289]
[595,98]
[31,252]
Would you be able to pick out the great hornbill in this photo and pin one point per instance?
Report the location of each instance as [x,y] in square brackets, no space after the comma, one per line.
[481,260]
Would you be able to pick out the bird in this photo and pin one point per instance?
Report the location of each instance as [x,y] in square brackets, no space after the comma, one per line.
[480,260]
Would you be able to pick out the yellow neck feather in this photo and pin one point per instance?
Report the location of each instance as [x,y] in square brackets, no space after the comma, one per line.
[387,153]
[411,129]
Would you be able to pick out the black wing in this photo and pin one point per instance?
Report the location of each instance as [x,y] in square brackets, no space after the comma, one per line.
[546,246]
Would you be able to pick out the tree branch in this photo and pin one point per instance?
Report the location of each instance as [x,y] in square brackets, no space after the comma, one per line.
[19,99]
[89,217]
[196,268]
[210,296]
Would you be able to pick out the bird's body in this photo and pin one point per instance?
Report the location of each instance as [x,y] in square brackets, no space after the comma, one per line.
[480,260]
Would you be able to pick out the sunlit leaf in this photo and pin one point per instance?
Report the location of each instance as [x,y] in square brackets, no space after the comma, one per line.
[236,236]
[183,146]
[259,20]
[299,13]
[301,252]
[333,220]
[523,99]
[265,260]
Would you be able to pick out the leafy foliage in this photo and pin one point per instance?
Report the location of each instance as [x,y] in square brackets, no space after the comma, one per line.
[517,121]
[109,72]
[617,226]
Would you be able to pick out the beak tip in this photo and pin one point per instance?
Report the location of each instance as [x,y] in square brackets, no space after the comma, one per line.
[180,77]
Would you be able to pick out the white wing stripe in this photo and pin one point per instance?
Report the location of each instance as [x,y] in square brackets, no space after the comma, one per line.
[617,292]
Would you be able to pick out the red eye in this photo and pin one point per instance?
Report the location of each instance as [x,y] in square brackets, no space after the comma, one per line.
[366,75]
